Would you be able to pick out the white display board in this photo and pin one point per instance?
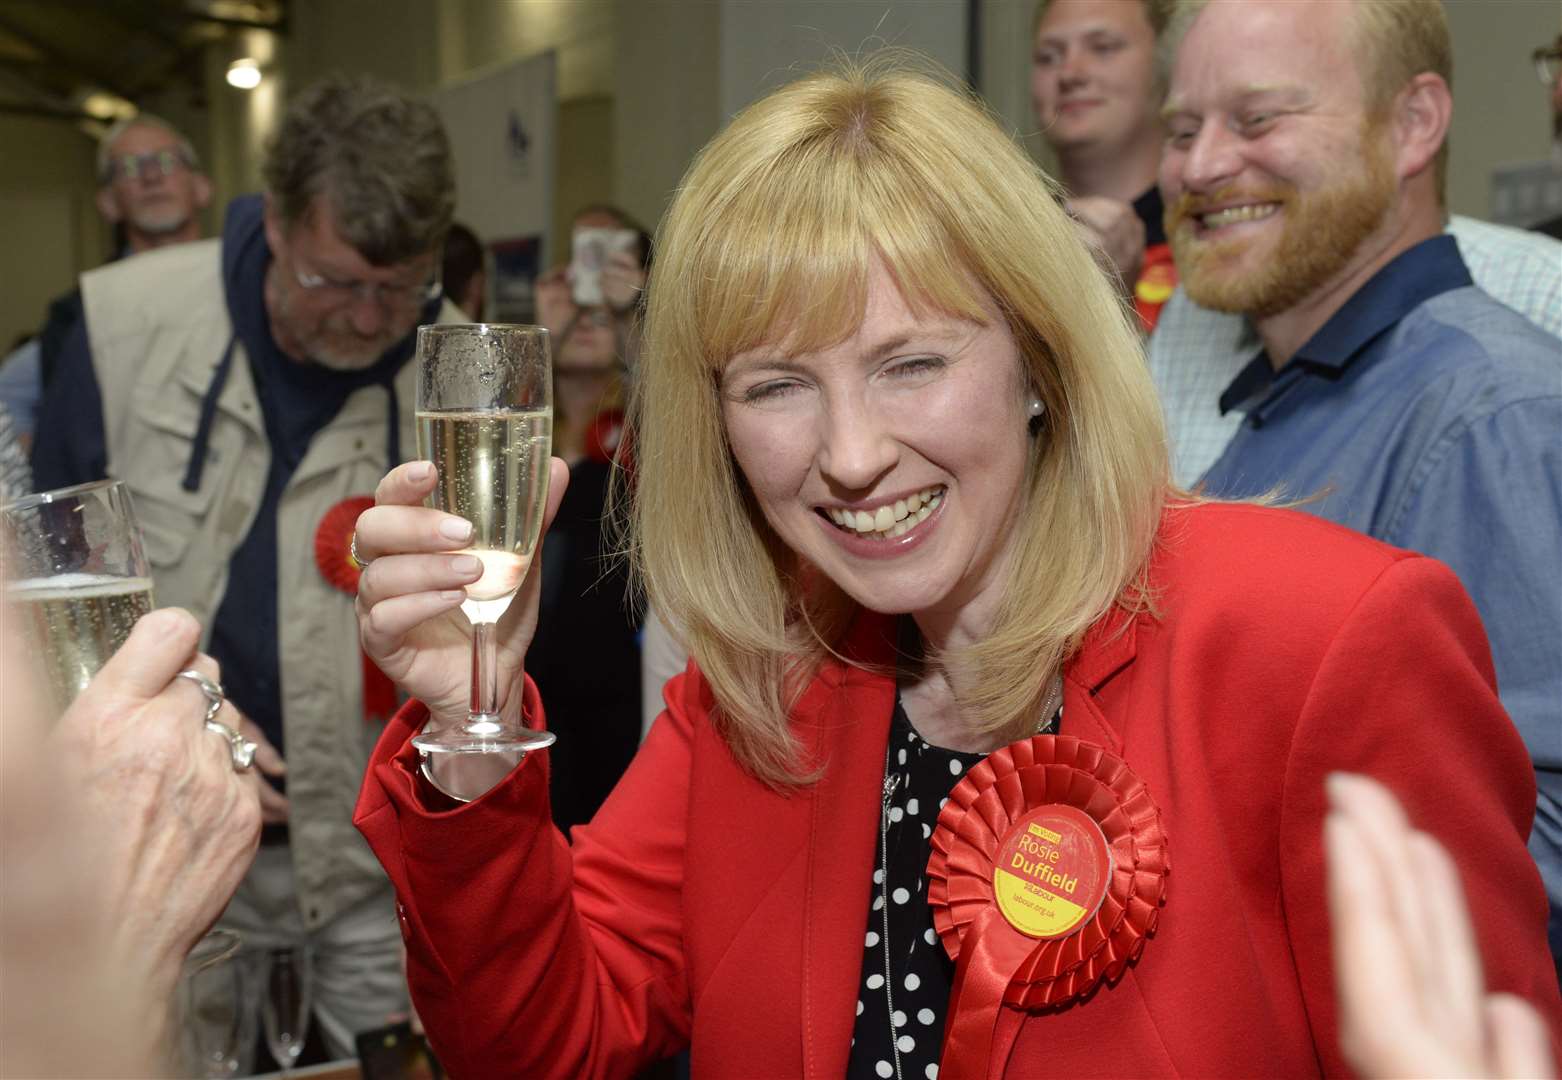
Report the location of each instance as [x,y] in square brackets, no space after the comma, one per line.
[501,124]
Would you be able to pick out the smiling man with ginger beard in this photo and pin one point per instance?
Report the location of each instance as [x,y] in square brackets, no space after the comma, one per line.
[1303,175]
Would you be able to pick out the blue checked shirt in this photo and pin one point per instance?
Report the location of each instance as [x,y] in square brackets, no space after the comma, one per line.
[1195,352]
[1429,416]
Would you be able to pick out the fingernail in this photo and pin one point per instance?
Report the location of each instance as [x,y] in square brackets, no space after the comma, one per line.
[168,622]
[455,528]
[1338,786]
[420,470]
[451,595]
[466,564]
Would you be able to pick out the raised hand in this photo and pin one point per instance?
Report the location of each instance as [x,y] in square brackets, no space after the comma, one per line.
[410,595]
[1413,1000]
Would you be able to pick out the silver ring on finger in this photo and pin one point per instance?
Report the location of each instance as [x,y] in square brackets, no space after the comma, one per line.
[240,749]
[352,552]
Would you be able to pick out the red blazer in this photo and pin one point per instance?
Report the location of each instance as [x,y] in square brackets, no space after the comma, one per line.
[701,908]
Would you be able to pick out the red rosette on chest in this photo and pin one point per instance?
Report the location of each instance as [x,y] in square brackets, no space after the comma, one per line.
[333,543]
[333,557]
[1047,875]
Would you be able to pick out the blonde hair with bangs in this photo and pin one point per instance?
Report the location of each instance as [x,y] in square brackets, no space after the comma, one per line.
[770,239]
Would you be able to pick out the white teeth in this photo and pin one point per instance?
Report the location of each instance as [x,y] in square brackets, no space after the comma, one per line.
[1231,215]
[891,519]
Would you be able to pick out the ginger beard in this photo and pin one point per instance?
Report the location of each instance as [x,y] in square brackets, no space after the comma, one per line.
[1321,234]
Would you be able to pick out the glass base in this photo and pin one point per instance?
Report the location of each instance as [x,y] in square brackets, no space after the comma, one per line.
[483,737]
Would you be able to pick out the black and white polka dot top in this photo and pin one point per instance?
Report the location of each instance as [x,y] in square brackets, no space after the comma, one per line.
[905,990]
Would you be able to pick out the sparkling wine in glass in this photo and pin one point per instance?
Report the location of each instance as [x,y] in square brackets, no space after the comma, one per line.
[77,579]
[284,1008]
[485,419]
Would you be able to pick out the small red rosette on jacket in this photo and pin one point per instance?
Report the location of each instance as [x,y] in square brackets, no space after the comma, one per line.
[1048,873]
[333,555]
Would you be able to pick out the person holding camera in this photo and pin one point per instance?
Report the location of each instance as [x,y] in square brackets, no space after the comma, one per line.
[590,662]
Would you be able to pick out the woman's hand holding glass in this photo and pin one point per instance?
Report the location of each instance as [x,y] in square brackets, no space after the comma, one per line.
[410,594]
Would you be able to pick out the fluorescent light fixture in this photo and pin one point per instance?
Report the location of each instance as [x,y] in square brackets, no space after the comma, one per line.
[244,73]
[106,107]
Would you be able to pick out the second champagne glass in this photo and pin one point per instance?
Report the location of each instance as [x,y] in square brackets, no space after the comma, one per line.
[284,1009]
[78,579]
[485,419]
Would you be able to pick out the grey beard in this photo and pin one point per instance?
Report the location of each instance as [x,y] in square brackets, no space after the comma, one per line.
[160,224]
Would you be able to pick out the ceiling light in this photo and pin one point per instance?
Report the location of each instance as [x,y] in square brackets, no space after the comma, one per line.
[106,107]
[244,73]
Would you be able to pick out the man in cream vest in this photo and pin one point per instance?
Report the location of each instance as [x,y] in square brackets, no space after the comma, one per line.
[247,389]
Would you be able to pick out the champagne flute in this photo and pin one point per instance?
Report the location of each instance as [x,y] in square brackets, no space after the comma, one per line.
[284,1010]
[78,579]
[215,1016]
[485,419]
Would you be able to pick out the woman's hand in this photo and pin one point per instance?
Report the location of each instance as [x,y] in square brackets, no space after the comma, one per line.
[622,281]
[556,310]
[1114,233]
[409,596]
[1413,999]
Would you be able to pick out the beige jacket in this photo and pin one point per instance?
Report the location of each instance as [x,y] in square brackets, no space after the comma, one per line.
[158,325]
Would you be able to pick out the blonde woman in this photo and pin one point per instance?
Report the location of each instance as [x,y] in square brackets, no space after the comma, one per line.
[903,487]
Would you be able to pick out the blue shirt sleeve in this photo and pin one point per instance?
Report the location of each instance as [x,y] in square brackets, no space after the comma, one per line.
[69,446]
[1490,506]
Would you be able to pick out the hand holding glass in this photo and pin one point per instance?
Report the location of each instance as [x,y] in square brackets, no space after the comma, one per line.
[485,419]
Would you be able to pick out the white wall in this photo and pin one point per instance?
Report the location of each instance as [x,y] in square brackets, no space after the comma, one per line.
[51,227]
[1502,113]
[766,43]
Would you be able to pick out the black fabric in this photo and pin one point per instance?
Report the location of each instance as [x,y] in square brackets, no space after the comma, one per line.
[69,446]
[920,776]
[1152,211]
[64,315]
[585,658]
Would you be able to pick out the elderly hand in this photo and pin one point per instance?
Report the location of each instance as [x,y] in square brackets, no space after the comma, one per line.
[1114,232]
[179,823]
[622,282]
[1412,995]
[409,597]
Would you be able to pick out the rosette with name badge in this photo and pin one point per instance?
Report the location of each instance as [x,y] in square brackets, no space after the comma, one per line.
[1048,873]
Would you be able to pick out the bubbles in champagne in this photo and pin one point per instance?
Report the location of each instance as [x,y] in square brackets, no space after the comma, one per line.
[493,471]
[73,623]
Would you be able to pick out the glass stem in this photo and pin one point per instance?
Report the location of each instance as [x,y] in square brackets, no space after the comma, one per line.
[485,675]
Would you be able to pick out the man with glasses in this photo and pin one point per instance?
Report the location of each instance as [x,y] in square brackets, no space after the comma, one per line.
[249,390]
[151,190]
[150,183]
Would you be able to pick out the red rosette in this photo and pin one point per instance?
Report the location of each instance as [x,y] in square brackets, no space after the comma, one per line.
[333,556]
[333,543]
[984,806]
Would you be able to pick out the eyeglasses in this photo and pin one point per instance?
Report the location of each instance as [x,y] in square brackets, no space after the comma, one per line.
[153,162]
[389,297]
[1548,62]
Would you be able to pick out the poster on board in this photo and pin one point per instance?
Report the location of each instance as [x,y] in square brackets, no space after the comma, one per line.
[501,126]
